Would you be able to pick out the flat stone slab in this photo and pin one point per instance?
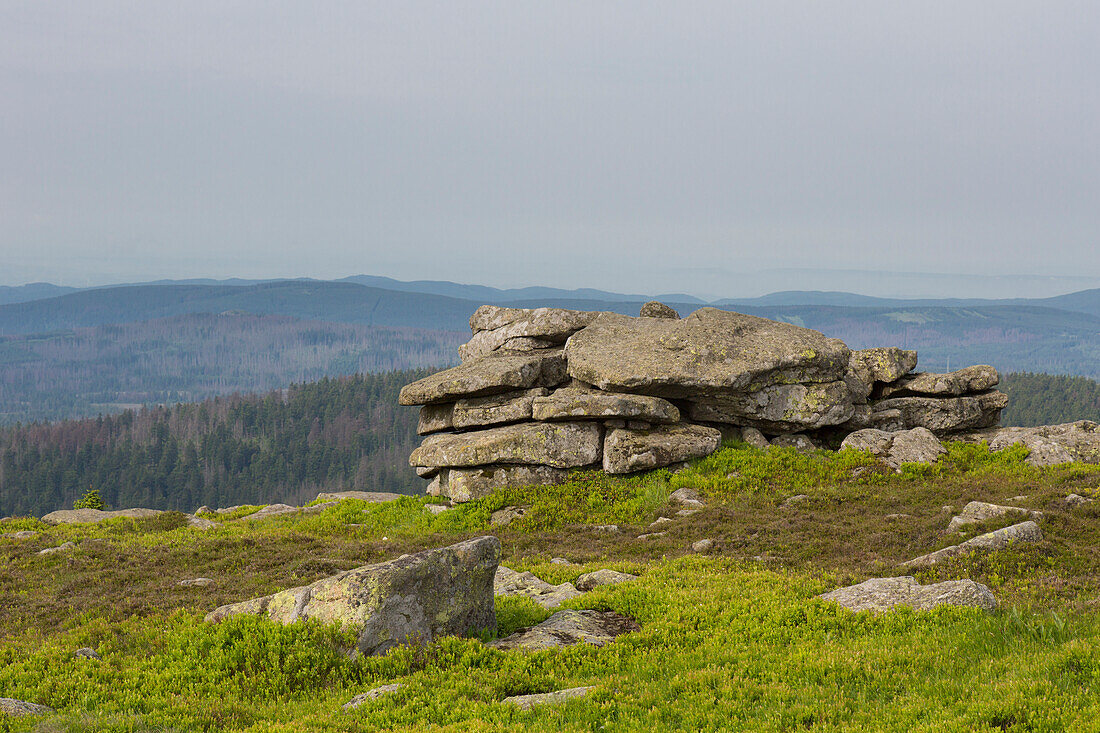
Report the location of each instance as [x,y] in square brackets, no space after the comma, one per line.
[979,511]
[939,414]
[998,540]
[488,375]
[559,445]
[508,582]
[781,408]
[91,516]
[604,576]
[883,594]
[571,403]
[495,409]
[709,352]
[969,380]
[627,451]
[566,628]
[497,328]
[413,599]
[526,702]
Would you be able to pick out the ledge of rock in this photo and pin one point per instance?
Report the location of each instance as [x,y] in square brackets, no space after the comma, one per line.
[979,511]
[560,445]
[566,628]
[488,375]
[883,594]
[413,599]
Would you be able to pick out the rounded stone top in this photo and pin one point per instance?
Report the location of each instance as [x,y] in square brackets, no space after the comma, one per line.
[655,309]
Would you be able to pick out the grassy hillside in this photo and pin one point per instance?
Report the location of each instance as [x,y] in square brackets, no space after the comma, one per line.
[732,640]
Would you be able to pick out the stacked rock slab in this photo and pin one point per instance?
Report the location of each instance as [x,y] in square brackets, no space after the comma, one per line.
[541,392]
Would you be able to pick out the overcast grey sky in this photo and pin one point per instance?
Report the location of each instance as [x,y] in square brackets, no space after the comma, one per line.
[634,146]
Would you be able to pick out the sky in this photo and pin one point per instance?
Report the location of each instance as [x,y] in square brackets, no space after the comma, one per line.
[718,148]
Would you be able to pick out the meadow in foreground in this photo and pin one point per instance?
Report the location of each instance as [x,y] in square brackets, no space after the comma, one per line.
[732,640]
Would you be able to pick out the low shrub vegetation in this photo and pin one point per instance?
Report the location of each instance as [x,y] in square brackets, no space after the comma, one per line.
[732,640]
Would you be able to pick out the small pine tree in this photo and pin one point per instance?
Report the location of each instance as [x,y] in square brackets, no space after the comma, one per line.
[90,500]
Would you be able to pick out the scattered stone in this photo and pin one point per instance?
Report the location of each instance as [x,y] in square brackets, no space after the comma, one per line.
[200,523]
[683,495]
[271,510]
[86,653]
[686,512]
[369,695]
[571,403]
[508,582]
[465,484]
[754,437]
[656,309]
[507,515]
[203,510]
[437,509]
[651,535]
[704,545]
[1049,444]
[660,522]
[560,445]
[566,628]
[371,496]
[798,441]
[979,511]
[91,516]
[595,579]
[898,516]
[19,708]
[627,451]
[23,534]
[559,561]
[796,499]
[196,582]
[526,702]
[415,599]
[919,445]
[606,527]
[1075,500]
[488,375]
[60,548]
[997,540]
[883,594]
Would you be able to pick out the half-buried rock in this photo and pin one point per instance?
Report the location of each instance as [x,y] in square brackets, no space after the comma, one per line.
[561,445]
[883,594]
[566,628]
[626,451]
[413,599]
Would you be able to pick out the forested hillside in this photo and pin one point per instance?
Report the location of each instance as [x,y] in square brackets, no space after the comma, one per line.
[336,434]
[1048,399]
[89,371]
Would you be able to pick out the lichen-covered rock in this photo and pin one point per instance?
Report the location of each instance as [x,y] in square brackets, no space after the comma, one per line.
[527,702]
[656,309]
[798,441]
[604,576]
[566,628]
[997,540]
[572,403]
[1049,444]
[23,534]
[508,582]
[918,445]
[979,511]
[372,694]
[969,380]
[435,418]
[489,375]
[91,516]
[495,409]
[754,437]
[783,408]
[883,594]
[940,415]
[19,708]
[883,364]
[520,328]
[626,451]
[708,352]
[414,599]
[467,484]
[560,445]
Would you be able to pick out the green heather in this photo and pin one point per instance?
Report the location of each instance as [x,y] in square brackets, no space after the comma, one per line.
[734,640]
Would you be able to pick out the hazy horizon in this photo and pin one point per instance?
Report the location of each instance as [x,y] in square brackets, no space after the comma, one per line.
[718,150]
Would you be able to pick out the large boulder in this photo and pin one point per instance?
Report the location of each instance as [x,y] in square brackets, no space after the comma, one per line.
[883,364]
[92,516]
[883,594]
[626,451]
[969,380]
[782,408]
[495,409]
[918,445]
[980,511]
[510,583]
[1049,444]
[708,352]
[566,628]
[940,415]
[997,540]
[414,599]
[467,484]
[560,445]
[497,328]
[489,375]
[573,403]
